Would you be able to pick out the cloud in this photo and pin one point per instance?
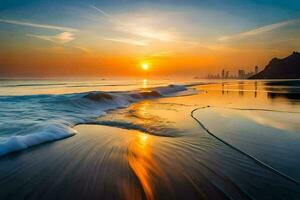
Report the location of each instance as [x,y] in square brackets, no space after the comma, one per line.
[55,50]
[258,31]
[60,38]
[44,26]
[159,55]
[70,49]
[102,12]
[128,41]
[83,49]
[151,34]
[137,29]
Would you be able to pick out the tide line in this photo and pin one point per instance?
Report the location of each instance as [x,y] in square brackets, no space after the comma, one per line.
[242,152]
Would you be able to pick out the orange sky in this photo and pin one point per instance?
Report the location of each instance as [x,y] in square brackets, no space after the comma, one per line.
[78,64]
[104,39]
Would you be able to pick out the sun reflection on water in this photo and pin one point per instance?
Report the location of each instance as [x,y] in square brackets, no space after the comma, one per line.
[140,161]
[145,83]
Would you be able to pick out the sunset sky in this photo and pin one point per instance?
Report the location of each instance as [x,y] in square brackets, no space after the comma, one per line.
[116,37]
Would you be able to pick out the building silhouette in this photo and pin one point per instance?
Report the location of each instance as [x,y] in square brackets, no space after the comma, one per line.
[241,73]
[227,74]
[256,70]
[223,73]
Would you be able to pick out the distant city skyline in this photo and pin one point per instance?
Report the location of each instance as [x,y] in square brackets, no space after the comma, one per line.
[239,74]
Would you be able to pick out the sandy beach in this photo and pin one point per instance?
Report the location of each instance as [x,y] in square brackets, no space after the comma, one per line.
[110,162]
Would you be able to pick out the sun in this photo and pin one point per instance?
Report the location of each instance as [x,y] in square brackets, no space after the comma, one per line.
[145,66]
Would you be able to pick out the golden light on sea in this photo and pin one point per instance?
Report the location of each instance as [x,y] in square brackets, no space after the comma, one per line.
[145,83]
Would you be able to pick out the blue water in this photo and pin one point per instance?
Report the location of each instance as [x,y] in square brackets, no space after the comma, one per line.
[28,120]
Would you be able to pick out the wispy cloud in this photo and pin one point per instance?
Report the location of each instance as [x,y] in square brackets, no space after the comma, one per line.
[108,16]
[60,38]
[128,41]
[159,55]
[258,31]
[150,33]
[70,49]
[35,25]
[83,49]
[102,12]
[137,29]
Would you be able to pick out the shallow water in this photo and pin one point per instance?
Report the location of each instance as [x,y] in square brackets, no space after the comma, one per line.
[28,120]
[165,153]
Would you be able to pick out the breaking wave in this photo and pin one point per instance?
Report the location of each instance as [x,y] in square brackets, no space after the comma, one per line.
[30,120]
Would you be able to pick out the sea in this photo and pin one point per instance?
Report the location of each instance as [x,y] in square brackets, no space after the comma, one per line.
[236,139]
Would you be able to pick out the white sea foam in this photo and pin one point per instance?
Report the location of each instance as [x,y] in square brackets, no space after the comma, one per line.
[36,119]
[49,133]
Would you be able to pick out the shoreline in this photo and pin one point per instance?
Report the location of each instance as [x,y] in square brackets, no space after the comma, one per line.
[91,157]
[103,162]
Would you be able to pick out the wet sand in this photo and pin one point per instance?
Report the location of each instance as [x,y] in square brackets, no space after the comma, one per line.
[99,163]
[111,163]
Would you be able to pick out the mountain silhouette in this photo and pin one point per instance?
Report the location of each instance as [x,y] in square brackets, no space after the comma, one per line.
[285,68]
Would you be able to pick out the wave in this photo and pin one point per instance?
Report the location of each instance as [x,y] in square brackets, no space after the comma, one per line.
[48,134]
[136,95]
[33,84]
[153,126]
[30,120]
